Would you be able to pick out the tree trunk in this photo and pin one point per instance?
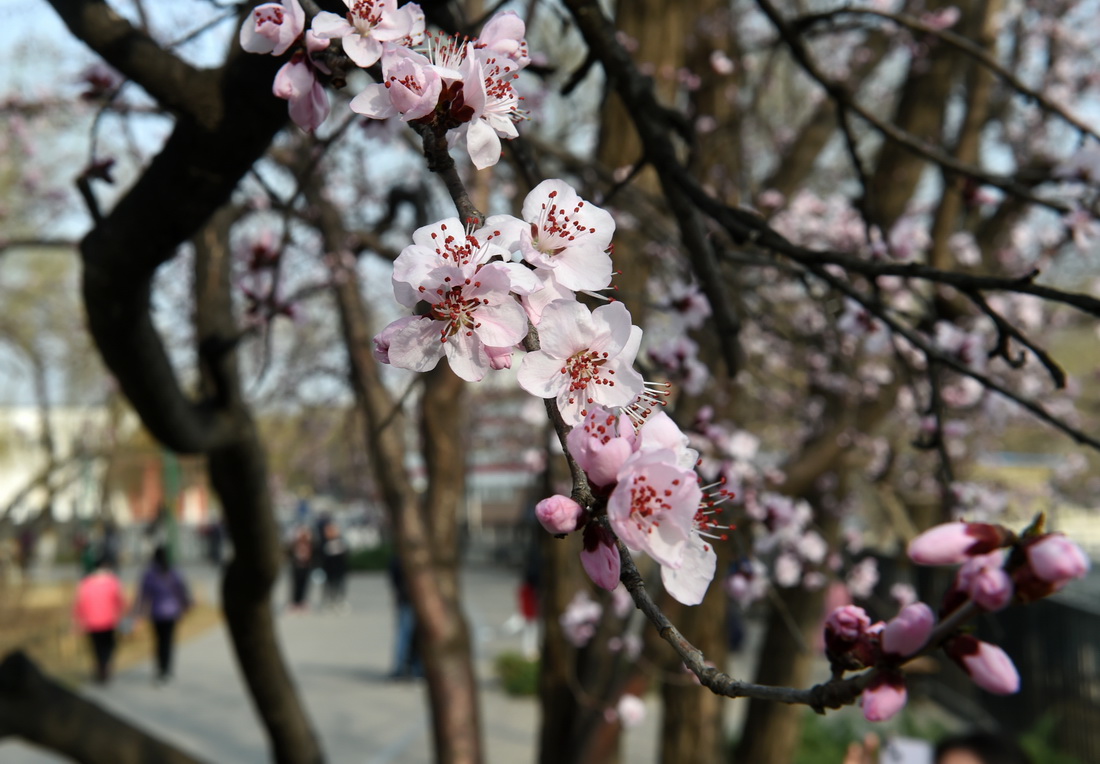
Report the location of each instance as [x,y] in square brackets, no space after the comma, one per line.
[425,534]
[772,730]
[238,473]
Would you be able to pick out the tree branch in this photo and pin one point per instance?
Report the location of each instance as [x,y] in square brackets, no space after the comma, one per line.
[174,83]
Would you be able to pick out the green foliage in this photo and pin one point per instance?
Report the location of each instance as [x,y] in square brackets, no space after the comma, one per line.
[1039,742]
[377,558]
[825,739]
[518,675]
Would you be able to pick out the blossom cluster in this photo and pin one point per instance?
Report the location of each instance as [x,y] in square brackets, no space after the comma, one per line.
[995,568]
[460,86]
[654,501]
[473,292]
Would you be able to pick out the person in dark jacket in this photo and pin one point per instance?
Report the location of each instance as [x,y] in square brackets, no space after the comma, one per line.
[406,660]
[164,597]
[334,561]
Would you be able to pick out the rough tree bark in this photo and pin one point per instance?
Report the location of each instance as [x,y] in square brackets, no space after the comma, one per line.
[43,712]
[425,531]
[226,118]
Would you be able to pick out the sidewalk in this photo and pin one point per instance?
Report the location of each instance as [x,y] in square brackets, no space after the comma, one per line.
[340,662]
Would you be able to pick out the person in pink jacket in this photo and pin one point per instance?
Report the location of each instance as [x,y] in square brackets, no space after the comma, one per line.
[99,607]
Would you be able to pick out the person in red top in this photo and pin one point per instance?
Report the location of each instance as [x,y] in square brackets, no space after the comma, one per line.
[99,607]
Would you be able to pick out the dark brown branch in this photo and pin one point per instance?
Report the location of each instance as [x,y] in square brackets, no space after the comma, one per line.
[193,175]
[843,98]
[956,41]
[442,164]
[174,83]
[43,712]
[934,356]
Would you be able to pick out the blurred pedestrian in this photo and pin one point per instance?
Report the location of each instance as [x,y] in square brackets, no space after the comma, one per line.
[300,551]
[97,610]
[334,561]
[406,659]
[164,598]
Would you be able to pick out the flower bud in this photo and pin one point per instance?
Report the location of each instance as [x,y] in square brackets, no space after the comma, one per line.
[988,665]
[559,514]
[846,638]
[908,632]
[600,557]
[1057,560]
[884,697]
[848,622]
[985,581]
[952,543]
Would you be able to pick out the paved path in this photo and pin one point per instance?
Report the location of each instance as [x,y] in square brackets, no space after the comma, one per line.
[340,662]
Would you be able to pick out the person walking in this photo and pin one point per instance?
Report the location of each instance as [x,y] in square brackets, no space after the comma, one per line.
[164,597]
[300,551]
[334,562]
[98,608]
[406,659]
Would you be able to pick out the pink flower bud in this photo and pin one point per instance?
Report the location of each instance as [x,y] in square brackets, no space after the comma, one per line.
[600,557]
[988,665]
[848,622]
[559,514]
[985,581]
[952,543]
[499,358]
[908,632]
[598,446]
[884,697]
[1057,560]
[846,642]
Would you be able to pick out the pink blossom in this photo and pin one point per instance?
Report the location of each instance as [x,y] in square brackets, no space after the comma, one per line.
[600,557]
[568,236]
[468,311]
[273,27]
[586,358]
[690,304]
[653,506]
[1057,560]
[382,339]
[503,35]
[985,581]
[848,622]
[493,104]
[410,86]
[908,632]
[884,697]
[863,577]
[499,358]
[449,242]
[368,24]
[788,570]
[988,665]
[296,82]
[601,445]
[559,514]
[903,593]
[688,583]
[659,431]
[630,710]
[580,618]
[952,543]
[749,583]
[942,18]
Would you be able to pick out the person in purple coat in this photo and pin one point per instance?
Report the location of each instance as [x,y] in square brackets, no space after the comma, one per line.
[164,597]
